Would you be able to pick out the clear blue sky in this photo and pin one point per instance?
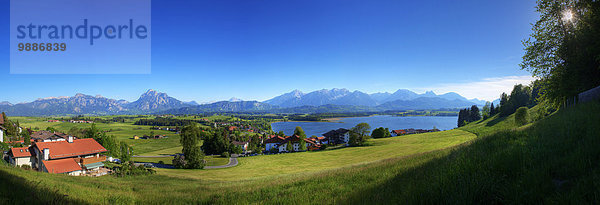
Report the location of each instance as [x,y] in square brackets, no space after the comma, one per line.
[254,50]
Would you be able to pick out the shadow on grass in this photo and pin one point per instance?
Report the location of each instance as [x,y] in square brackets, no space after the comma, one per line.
[495,121]
[554,161]
[18,190]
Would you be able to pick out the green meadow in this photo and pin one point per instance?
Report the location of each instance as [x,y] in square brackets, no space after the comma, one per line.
[554,160]
[124,131]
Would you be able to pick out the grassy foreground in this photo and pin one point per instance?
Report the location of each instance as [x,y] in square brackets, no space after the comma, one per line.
[555,160]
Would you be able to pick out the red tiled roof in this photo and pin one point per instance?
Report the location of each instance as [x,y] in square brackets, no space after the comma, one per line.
[398,131]
[20,152]
[62,149]
[275,139]
[61,165]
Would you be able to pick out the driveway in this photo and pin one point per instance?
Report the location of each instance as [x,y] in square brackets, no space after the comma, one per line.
[232,163]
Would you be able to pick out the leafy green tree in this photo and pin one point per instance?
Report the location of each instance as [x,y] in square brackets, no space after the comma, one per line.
[190,138]
[288,147]
[300,132]
[359,134]
[380,133]
[125,152]
[302,145]
[93,132]
[26,137]
[521,116]
[563,49]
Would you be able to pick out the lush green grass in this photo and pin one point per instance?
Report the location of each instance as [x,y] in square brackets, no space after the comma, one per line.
[284,164]
[210,160]
[554,160]
[123,131]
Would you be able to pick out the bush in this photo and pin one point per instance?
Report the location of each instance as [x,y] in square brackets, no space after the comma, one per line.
[161,162]
[129,169]
[26,167]
[521,115]
[225,154]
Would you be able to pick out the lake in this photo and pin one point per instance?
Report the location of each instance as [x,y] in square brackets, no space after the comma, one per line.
[386,121]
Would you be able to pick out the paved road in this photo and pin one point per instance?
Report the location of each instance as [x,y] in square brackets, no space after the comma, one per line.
[159,156]
[232,163]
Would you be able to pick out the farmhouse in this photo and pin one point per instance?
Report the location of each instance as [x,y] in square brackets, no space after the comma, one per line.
[279,144]
[73,157]
[20,156]
[2,130]
[48,136]
[243,145]
[339,136]
[272,142]
[398,132]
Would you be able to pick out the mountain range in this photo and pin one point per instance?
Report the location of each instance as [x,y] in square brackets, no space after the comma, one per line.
[153,102]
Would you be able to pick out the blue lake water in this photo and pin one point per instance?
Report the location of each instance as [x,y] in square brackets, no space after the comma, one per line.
[386,121]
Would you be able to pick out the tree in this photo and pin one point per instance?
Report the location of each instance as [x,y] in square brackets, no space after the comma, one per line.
[300,132]
[93,132]
[504,107]
[359,134]
[563,52]
[486,110]
[215,143]
[125,152]
[474,115]
[492,110]
[190,137]
[26,137]
[288,147]
[521,116]
[380,133]
[302,144]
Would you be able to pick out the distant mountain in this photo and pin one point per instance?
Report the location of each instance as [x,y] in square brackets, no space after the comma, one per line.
[421,103]
[322,97]
[78,104]
[334,96]
[320,101]
[153,100]
[380,97]
[401,94]
[82,104]
[222,106]
[191,103]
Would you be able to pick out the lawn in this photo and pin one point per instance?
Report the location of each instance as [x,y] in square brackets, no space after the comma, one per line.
[210,160]
[305,162]
[123,131]
[552,161]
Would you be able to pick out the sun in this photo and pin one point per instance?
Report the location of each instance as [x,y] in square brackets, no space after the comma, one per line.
[568,15]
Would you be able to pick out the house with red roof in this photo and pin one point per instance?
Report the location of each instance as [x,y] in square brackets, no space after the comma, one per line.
[73,156]
[272,142]
[19,156]
[398,132]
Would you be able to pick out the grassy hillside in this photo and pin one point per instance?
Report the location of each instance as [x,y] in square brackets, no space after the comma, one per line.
[123,131]
[555,160]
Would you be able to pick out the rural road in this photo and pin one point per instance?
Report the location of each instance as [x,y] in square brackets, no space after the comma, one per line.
[154,156]
[232,163]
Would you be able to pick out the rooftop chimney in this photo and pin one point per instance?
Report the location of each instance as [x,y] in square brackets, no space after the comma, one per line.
[70,139]
[46,154]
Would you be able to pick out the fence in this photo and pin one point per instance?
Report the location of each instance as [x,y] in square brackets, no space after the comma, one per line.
[589,95]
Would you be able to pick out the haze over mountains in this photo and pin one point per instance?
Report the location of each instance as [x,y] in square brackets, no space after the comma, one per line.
[153,102]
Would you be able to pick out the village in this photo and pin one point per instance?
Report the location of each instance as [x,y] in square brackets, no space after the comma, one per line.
[59,153]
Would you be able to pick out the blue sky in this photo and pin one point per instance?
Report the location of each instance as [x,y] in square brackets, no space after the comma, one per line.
[255,50]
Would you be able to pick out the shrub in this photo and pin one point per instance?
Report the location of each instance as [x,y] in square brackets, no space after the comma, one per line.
[225,154]
[161,162]
[521,115]
[26,167]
